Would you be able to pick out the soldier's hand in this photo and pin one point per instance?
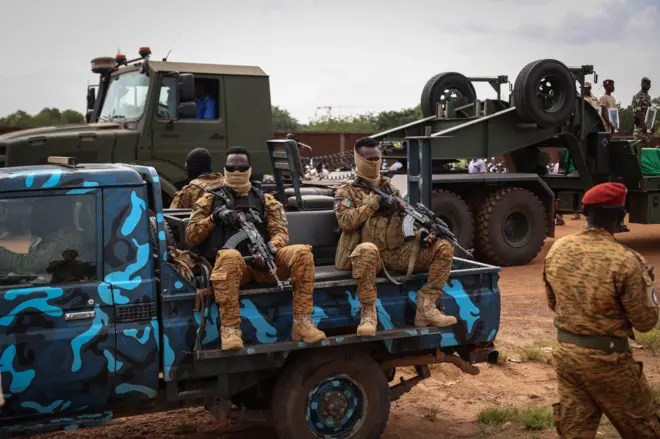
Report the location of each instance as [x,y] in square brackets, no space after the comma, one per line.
[258,260]
[227,216]
[388,204]
[431,239]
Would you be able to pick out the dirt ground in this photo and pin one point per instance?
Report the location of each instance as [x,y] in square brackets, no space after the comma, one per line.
[447,404]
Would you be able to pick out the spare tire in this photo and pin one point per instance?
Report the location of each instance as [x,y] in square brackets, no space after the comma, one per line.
[153,230]
[438,89]
[544,93]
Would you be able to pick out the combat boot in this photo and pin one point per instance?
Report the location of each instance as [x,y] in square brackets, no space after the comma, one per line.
[231,338]
[304,329]
[428,315]
[368,320]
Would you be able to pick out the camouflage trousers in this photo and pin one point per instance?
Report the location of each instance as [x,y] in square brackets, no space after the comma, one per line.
[230,272]
[591,383]
[640,133]
[366,261]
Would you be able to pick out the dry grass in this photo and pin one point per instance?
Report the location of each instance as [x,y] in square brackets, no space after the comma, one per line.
[540,350]
[528,417]
[650,340]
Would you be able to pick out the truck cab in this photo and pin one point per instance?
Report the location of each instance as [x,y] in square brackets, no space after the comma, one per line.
[97,322]
[154,113]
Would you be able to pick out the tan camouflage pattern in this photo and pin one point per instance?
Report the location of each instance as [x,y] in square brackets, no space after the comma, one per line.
[366,263]
[606,101]
[592,383]
[186,197]
[596,286]
[230,272]
[589,275]
[593,101]
[201,224]
[354,207]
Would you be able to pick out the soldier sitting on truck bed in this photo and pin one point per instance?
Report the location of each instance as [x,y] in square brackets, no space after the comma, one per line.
[198,167]
[372,236]
[212,223]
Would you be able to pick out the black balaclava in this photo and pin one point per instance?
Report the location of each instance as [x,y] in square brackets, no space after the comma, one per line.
[198,162]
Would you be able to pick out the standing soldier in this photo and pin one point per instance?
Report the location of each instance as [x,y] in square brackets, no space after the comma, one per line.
[606,102]
[640,103]
[371,236]
[600,290]
[213,223]
[198,167]
[588,97]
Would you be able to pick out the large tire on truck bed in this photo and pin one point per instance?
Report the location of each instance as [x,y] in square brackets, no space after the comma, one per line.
[455,212]
[544,93]
[511,227]
[437,88]
[341,395]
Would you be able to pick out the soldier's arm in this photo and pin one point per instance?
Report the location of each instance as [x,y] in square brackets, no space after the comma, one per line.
[637,294]
[276,222]
[201,224]
[349,215]
[176,201]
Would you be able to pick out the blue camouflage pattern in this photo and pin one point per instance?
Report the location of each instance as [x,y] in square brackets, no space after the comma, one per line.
[73,371]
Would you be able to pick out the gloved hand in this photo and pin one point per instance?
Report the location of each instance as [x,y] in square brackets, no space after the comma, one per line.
[227,216]
[388,204]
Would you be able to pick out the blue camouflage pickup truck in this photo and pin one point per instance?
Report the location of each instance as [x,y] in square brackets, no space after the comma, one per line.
[96,322]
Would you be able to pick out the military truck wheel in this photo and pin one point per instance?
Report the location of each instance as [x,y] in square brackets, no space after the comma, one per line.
[544,93]
[511,227]
[169,236]
[341,395]
[451,208]
[441,87]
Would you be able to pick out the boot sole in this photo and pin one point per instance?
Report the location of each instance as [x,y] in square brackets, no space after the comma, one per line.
[297,337]
[233,348]
[425,324]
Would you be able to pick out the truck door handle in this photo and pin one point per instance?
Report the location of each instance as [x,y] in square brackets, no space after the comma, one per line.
[82,315]
[217,136]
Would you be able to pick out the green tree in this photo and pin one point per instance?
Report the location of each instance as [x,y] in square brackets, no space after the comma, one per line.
[46,117]
[282,120]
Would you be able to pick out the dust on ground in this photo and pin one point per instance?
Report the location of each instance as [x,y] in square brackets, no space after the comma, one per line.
[446,405]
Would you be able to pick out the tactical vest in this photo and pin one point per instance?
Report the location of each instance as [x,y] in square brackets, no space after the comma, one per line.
[253,201]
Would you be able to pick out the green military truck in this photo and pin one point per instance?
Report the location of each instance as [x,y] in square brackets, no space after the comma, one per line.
[145,112]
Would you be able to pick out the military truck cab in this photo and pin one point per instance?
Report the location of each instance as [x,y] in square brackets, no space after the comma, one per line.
[153,113]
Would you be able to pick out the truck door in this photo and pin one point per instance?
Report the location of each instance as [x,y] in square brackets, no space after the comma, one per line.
[57,336]
[174,139]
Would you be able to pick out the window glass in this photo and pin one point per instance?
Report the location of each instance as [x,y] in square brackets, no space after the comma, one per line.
[126,97]
[207,93]
[47,240]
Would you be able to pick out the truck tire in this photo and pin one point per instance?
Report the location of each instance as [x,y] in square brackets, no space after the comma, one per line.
[342,395]
[511,227]
[451,208]
[435,89]
[544,93]
[169,236]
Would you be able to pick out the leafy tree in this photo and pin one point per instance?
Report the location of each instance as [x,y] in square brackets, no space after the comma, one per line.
[282,120]
[46,117]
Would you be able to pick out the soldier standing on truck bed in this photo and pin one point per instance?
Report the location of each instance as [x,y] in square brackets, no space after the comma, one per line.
[641,103]
[211,225]
[606,102]
[591,99]
[198,167]
[372,236]
[600,290]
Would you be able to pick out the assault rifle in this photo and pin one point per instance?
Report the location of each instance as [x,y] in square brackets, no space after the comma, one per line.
[419,215]
[259,248]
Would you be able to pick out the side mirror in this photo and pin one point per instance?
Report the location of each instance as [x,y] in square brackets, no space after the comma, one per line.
[91,98]
[185,87]
[187,110]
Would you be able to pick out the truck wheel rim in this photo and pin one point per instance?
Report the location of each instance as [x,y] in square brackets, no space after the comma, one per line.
[516,229]
[335,408]
[550,94]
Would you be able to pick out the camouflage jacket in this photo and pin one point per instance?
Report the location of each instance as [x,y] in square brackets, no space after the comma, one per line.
[597,286]
[360,221]
[186,197]
[641,102]
[201,223]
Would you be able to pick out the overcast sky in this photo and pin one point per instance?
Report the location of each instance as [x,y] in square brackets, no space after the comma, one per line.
[355,55]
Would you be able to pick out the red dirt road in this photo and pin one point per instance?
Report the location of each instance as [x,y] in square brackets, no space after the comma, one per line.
[447,404]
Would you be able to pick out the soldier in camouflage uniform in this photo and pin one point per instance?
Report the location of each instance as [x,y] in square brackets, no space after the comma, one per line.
[372,236]
[212,224]
[606,102]
[600,290]
[198,166]
[641,103]
[588,97]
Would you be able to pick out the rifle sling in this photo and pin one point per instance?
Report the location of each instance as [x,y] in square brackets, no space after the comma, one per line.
[411,262]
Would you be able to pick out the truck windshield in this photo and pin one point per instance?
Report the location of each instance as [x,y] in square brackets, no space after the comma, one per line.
[126,97]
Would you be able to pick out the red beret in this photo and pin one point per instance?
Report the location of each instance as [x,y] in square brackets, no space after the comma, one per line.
[606,194]
[608,82]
